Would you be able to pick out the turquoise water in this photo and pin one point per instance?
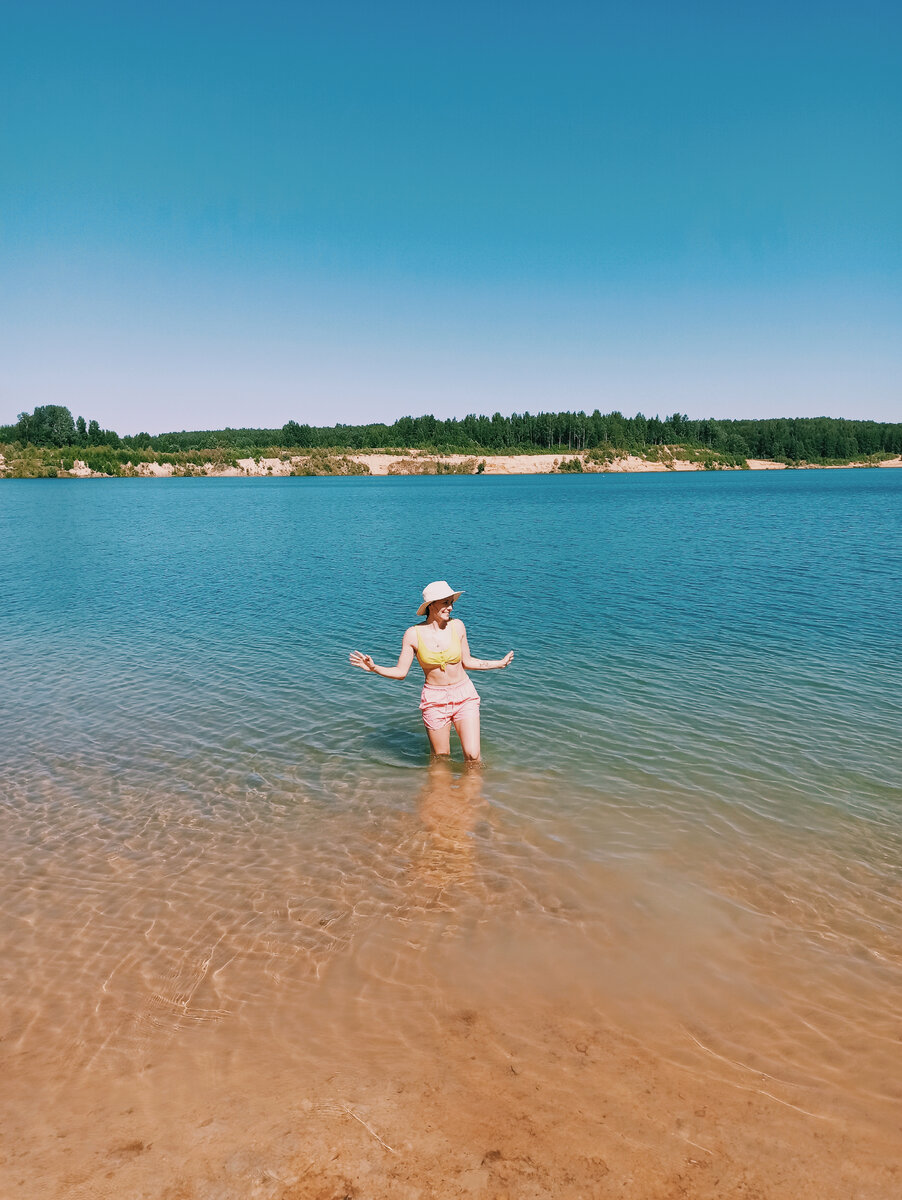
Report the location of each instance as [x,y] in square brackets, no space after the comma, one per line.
[693,767]
[728,637]
[742,623]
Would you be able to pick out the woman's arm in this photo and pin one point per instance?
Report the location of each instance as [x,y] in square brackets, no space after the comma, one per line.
[405,658]
[480,664]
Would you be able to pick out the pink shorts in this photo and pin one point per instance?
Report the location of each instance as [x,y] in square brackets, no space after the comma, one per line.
[442,705]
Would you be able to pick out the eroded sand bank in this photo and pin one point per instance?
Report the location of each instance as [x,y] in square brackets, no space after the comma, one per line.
[419,463]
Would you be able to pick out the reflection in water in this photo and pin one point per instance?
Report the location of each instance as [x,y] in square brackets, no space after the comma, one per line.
[449,806]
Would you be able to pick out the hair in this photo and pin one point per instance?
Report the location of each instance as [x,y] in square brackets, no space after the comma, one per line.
[427,618]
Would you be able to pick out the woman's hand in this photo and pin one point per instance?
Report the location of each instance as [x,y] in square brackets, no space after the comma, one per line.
[405,658]
[507,660]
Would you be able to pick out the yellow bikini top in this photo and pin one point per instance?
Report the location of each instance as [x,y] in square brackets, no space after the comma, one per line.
[439,658]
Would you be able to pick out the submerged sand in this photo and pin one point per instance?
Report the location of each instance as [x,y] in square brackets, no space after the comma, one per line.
[213,1010]
[534,1100]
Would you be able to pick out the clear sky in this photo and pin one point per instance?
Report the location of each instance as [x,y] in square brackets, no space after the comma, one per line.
[239,213]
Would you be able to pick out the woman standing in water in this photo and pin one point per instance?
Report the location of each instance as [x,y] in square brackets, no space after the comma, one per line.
[440,646]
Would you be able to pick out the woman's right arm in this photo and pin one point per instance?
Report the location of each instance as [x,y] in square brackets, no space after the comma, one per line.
[405,658]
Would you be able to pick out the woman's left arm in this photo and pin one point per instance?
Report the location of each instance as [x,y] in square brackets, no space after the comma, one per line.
[470,663]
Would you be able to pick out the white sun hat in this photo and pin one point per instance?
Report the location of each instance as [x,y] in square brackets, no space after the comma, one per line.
[440,590]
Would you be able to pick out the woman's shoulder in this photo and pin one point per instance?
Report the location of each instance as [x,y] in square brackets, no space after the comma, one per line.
[410,633]
[458,624]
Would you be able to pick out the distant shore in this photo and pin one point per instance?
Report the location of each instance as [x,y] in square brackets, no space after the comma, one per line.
[415,462]
[550,464]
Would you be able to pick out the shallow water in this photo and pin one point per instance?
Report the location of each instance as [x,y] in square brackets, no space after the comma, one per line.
[248,931]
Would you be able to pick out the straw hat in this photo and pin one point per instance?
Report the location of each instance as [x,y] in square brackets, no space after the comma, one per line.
[440,590]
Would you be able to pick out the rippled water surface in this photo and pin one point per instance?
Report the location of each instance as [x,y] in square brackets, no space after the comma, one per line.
[245,921]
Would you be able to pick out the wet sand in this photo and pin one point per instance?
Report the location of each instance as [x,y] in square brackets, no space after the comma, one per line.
[531,1099]
[428,1006]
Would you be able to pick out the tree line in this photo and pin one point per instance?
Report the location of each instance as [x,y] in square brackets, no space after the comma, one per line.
[787,439]
[54,425]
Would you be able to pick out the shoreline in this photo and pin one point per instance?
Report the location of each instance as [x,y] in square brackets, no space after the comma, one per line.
[418,462]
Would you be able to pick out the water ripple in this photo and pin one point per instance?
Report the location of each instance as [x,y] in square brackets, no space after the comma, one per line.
[218,838]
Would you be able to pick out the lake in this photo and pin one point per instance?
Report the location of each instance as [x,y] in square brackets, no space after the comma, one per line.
[254,943]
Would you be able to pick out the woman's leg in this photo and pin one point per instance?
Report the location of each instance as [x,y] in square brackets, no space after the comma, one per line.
[468,732]
[440,740]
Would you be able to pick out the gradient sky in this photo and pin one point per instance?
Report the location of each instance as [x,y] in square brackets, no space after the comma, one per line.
[238,213]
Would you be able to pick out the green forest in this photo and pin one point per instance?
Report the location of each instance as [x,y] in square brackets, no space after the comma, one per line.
[787,439]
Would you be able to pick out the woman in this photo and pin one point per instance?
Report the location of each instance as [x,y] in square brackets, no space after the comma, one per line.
[440,646]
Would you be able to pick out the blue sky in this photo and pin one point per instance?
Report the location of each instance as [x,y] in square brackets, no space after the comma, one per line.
[237,214]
